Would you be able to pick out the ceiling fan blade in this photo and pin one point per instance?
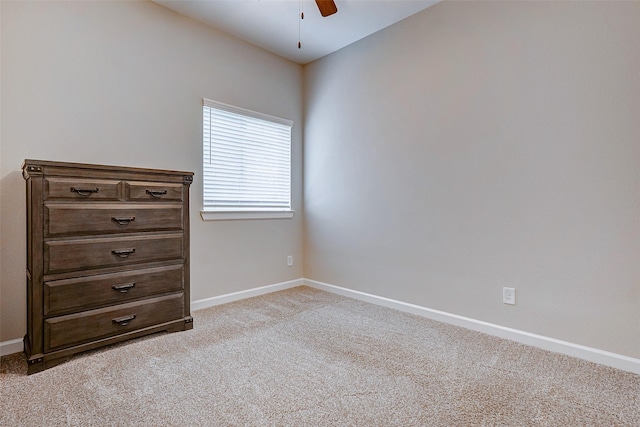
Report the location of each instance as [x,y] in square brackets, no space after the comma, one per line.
[327,7]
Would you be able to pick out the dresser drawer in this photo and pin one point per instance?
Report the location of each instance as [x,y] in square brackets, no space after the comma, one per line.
[79,218]
[65,331]
[153,191]
[70,295]
[77,254]
[81,189]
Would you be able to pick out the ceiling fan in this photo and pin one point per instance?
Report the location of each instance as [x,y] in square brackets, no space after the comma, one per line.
[327,7]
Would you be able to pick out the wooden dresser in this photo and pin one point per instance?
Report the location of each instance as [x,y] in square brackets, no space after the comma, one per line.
[107,256]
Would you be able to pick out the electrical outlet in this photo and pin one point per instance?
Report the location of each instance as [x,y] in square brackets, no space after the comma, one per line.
[290,260]
[509,296]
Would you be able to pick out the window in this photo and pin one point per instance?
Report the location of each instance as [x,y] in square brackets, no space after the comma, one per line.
[246,163]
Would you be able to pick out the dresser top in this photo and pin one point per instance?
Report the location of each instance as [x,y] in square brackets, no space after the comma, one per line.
[47,167]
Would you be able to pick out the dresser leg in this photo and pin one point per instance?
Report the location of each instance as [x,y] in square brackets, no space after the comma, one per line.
[188,323]
[35,364]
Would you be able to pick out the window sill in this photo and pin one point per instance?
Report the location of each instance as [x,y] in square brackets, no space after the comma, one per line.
[233,215]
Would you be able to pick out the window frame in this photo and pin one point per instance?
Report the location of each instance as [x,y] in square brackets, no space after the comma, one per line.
[229,213]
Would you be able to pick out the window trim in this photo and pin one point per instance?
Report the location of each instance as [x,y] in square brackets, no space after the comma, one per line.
[247,214]
[212,214]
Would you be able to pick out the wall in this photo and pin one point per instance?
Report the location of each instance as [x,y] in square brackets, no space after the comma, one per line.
[478,145]
[1,175]
[122,83]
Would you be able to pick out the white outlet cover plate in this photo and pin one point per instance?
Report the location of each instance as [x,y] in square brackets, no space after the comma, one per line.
[509,296]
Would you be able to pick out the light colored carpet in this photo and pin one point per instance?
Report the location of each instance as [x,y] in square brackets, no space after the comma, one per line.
[304,357]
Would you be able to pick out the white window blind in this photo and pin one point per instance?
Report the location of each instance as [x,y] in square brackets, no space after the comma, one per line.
[246,159]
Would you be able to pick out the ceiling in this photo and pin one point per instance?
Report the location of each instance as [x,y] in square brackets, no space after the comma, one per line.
[274,25]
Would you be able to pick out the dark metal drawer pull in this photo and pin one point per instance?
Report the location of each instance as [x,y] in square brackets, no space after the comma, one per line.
[123,220]
[124,321]
[123,288]
[123,253]
[84,191]
[156,193]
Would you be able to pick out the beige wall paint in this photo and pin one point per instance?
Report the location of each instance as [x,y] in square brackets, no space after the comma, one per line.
[473,146]
[122,83]
[1,174]
[478,145]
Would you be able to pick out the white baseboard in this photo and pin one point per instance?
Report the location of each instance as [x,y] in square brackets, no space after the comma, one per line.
[606,358]
[595,355]
[235,296]
[11,346]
